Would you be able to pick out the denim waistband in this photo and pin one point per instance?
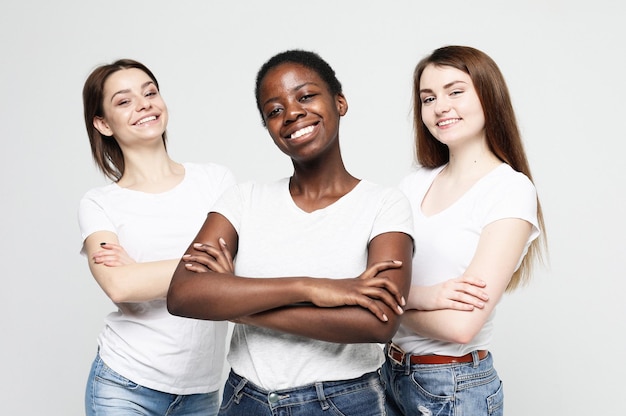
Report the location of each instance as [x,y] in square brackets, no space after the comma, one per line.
[318,391]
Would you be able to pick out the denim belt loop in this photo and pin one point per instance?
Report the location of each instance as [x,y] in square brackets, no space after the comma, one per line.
[475,358]
[238,390]
[319,389]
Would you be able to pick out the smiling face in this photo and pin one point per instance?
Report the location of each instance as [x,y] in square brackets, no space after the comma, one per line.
[299,111]
[450,107]
[133,108]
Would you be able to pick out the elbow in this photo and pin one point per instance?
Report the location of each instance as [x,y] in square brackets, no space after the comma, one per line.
[117,294]
[463,335]
[175,304]
[386,331]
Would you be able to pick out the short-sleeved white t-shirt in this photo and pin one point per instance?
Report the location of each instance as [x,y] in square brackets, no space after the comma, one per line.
[445,243]
[142,341]
[276,239]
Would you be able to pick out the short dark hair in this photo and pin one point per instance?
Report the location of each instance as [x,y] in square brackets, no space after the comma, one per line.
[307,59]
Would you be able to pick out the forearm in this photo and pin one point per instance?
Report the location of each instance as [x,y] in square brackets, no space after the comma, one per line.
[445,325]
[346,324]
[219,296]
[138,282]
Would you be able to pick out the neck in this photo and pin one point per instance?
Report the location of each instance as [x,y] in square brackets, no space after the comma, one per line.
[147,168]
[473,159]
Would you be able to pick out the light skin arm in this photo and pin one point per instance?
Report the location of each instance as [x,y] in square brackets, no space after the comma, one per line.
[223,296]
[120,277]
[499,249]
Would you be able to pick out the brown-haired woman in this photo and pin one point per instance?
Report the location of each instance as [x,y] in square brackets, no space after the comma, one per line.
[134,231]
[477,219]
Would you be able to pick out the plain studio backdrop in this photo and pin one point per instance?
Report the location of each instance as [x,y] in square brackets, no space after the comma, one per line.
[558,344]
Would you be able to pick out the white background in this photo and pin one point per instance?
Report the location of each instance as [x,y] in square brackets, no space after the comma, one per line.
[558,342]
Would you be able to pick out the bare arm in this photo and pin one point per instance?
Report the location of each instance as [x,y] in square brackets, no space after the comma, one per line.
[347,324]
[120,277]
[500,246]
[223,296]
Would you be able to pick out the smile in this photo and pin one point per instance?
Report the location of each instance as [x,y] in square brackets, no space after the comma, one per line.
[448,122]
[145,120]
[301,132]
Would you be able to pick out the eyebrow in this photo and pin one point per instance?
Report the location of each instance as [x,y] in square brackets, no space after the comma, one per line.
[296,88]
[144,85]
[445,87]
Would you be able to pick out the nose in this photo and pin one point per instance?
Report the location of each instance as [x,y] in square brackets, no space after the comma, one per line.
[442,105]
[293,111]
[143,103]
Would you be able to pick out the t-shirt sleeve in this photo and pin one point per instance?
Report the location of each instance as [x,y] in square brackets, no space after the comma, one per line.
[395,215]
[230,204]
[92,217]
[515,198]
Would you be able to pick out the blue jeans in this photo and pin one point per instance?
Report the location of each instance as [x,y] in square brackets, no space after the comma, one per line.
[110,394]
[443,389]
[361,396]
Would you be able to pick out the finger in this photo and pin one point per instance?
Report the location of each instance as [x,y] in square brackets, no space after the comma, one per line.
[227,253]
[196,267]
[460,306]
[385,297]
[389,286]
[369,304]
[380,266]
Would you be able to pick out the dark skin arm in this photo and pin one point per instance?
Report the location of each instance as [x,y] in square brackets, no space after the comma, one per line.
[219,295]
[342,324]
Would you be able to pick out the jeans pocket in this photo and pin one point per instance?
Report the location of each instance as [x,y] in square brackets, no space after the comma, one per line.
[106,375]
[495,402]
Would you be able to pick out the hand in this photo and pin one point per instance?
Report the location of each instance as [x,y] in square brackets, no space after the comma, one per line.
[112,255]
[463,293]
[367,291]
[219,260]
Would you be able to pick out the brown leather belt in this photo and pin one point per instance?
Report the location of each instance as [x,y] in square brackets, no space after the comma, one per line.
[397,355]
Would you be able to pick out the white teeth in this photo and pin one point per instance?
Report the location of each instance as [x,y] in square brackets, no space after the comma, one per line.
[447,122]
[145,120]
[301,132]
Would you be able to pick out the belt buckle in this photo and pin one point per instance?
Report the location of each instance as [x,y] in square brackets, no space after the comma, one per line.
[391,347]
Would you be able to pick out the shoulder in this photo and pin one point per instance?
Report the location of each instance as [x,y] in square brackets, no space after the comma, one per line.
[418,178]
[208,169]
[371,192]
[100,192]
[504,179]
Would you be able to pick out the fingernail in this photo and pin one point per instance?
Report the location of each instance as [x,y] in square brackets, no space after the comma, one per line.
[403,301]
[197,245]
[188,265]
[102,244]
[385,318]
[397,261]
[222,242]
[186,256]
[400,309]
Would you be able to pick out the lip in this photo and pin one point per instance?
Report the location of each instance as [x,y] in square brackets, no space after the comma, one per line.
[149,122]
[447,122]
[292,130]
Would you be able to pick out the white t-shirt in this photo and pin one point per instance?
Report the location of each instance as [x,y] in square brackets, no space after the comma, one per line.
[278,239]
[142,341]
[445,243]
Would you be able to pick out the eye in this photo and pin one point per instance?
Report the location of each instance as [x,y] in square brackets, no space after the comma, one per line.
[428,100]
[123,102]
[152,93]
[307,97]
[272,113]
[457,92]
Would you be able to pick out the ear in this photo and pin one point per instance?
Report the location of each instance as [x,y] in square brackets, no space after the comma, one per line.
[342,104]
[102,126]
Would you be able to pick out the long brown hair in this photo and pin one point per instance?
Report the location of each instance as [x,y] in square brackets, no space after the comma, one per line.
[501,130]
[105,150]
